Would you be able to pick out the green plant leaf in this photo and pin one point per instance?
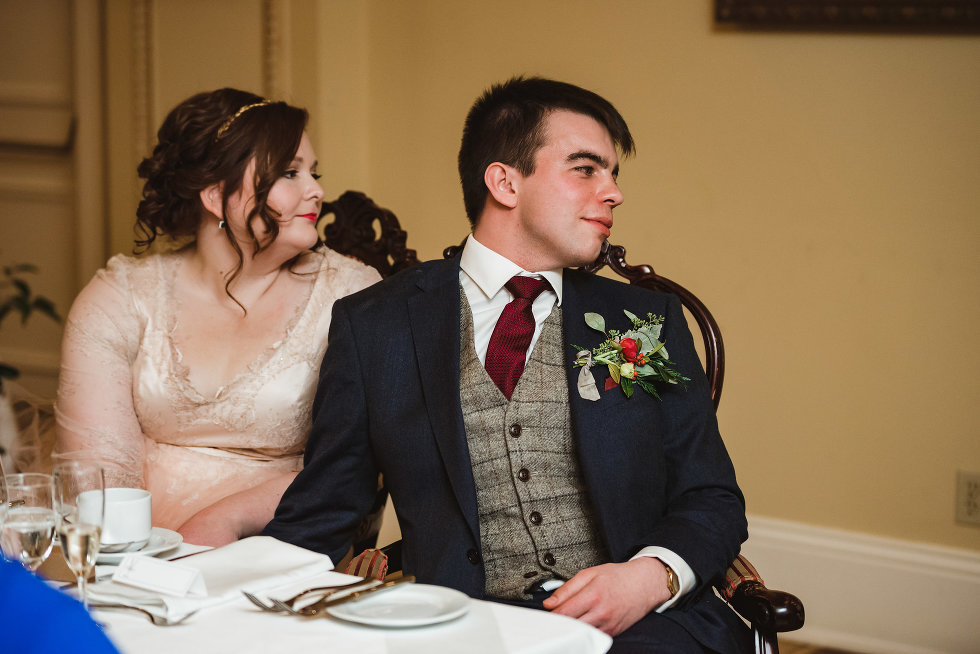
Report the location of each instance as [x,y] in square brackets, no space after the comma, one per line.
[627,385]
[614,372]
[649,388]
[46,306]
[596,322]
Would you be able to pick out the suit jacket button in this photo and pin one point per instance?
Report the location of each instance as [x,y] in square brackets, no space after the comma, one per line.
[523,474]
[549,559]
[473,556]
[535,518]
[515,430]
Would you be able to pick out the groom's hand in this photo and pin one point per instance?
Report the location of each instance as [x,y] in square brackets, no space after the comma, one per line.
[614,596]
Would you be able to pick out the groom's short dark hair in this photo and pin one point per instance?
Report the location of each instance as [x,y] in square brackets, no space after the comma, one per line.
[505,125]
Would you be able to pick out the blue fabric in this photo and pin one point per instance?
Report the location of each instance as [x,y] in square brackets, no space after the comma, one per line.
[35,618]
[388,401]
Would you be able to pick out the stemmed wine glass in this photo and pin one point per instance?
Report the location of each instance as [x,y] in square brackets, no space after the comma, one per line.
[79,503]
[28,531]
[4,499]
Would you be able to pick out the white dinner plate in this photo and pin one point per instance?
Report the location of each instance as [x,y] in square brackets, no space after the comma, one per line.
[409,605]
[161,540]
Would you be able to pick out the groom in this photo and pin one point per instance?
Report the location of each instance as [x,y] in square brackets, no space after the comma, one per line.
[454,379]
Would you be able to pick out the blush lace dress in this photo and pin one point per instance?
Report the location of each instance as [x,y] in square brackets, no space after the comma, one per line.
[124,393]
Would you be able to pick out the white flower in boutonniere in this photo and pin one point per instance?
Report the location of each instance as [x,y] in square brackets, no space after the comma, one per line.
[634,357]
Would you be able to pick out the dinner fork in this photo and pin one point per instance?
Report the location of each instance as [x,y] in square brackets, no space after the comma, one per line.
[324,602]
[158,620]
[326,590]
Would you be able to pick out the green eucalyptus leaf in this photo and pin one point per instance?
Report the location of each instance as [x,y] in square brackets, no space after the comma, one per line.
[596,322]
[629,315]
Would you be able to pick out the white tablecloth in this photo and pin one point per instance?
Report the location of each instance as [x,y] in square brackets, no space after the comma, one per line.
[240,628]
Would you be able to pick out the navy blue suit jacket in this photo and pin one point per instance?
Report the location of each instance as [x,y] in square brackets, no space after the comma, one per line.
[388,402]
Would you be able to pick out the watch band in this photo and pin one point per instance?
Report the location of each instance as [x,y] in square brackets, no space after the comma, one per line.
[673,585]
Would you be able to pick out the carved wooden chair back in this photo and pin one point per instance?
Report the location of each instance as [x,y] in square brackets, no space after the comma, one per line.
[367,232]
[614,257]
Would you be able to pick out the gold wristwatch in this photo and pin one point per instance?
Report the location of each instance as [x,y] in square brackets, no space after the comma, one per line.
[673,585]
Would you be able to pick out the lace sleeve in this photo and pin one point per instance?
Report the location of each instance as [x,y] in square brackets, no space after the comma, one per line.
[94,409]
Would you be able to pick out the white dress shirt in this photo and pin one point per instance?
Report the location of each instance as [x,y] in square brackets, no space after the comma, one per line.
[482,275]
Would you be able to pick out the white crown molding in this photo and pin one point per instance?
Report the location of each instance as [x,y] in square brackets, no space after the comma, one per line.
[868,593]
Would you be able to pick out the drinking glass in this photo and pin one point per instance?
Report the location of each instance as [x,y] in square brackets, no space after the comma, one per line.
[4,499]
[28,531]
[79,504]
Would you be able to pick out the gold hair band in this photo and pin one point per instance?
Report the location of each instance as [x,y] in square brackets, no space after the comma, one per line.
[224,126]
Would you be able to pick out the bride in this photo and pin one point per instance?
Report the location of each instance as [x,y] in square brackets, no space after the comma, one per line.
[191,373]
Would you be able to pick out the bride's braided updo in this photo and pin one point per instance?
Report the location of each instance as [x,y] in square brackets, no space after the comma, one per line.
[191,155]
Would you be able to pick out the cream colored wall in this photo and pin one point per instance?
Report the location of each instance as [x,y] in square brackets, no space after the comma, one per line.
[36,181]
[818,191]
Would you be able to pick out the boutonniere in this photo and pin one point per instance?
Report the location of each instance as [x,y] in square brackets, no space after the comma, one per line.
[634,357]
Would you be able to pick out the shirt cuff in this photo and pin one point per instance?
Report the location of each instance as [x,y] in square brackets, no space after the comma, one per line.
[683,572]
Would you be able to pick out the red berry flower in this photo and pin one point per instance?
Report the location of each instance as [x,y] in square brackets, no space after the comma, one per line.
[630,349]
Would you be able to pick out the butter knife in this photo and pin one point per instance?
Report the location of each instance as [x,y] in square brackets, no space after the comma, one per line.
[318,607]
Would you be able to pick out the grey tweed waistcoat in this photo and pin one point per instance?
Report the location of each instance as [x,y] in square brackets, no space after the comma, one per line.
[535,517]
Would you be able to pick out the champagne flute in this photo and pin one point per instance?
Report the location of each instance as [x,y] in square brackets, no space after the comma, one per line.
[4,499]
[28,532]
[79,503]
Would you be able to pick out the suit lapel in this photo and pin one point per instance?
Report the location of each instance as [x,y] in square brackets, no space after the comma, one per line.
[589,419]
[434,317]
[586,418]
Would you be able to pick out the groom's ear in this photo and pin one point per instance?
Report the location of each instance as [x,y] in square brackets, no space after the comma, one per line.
[211,199]
[503,183]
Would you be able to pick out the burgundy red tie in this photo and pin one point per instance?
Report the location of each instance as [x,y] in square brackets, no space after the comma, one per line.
[512,334]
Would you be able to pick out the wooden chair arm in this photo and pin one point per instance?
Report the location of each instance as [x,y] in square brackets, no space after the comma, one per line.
[767,610]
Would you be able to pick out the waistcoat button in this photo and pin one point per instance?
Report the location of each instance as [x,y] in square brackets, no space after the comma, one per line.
[515,430]
[549,559]
[535,518]
[523,474]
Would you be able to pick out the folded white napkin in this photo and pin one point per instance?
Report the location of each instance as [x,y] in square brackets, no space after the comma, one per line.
[255,564]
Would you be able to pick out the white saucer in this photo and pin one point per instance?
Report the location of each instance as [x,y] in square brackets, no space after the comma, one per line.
[161,540]
[411,605]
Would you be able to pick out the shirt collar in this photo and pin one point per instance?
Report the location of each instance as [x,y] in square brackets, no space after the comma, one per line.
[490,270]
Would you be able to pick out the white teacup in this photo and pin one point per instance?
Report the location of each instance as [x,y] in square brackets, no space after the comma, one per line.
[128,518]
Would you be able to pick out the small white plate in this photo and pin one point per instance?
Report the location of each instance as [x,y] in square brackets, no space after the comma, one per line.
[161,540]
[410,605]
